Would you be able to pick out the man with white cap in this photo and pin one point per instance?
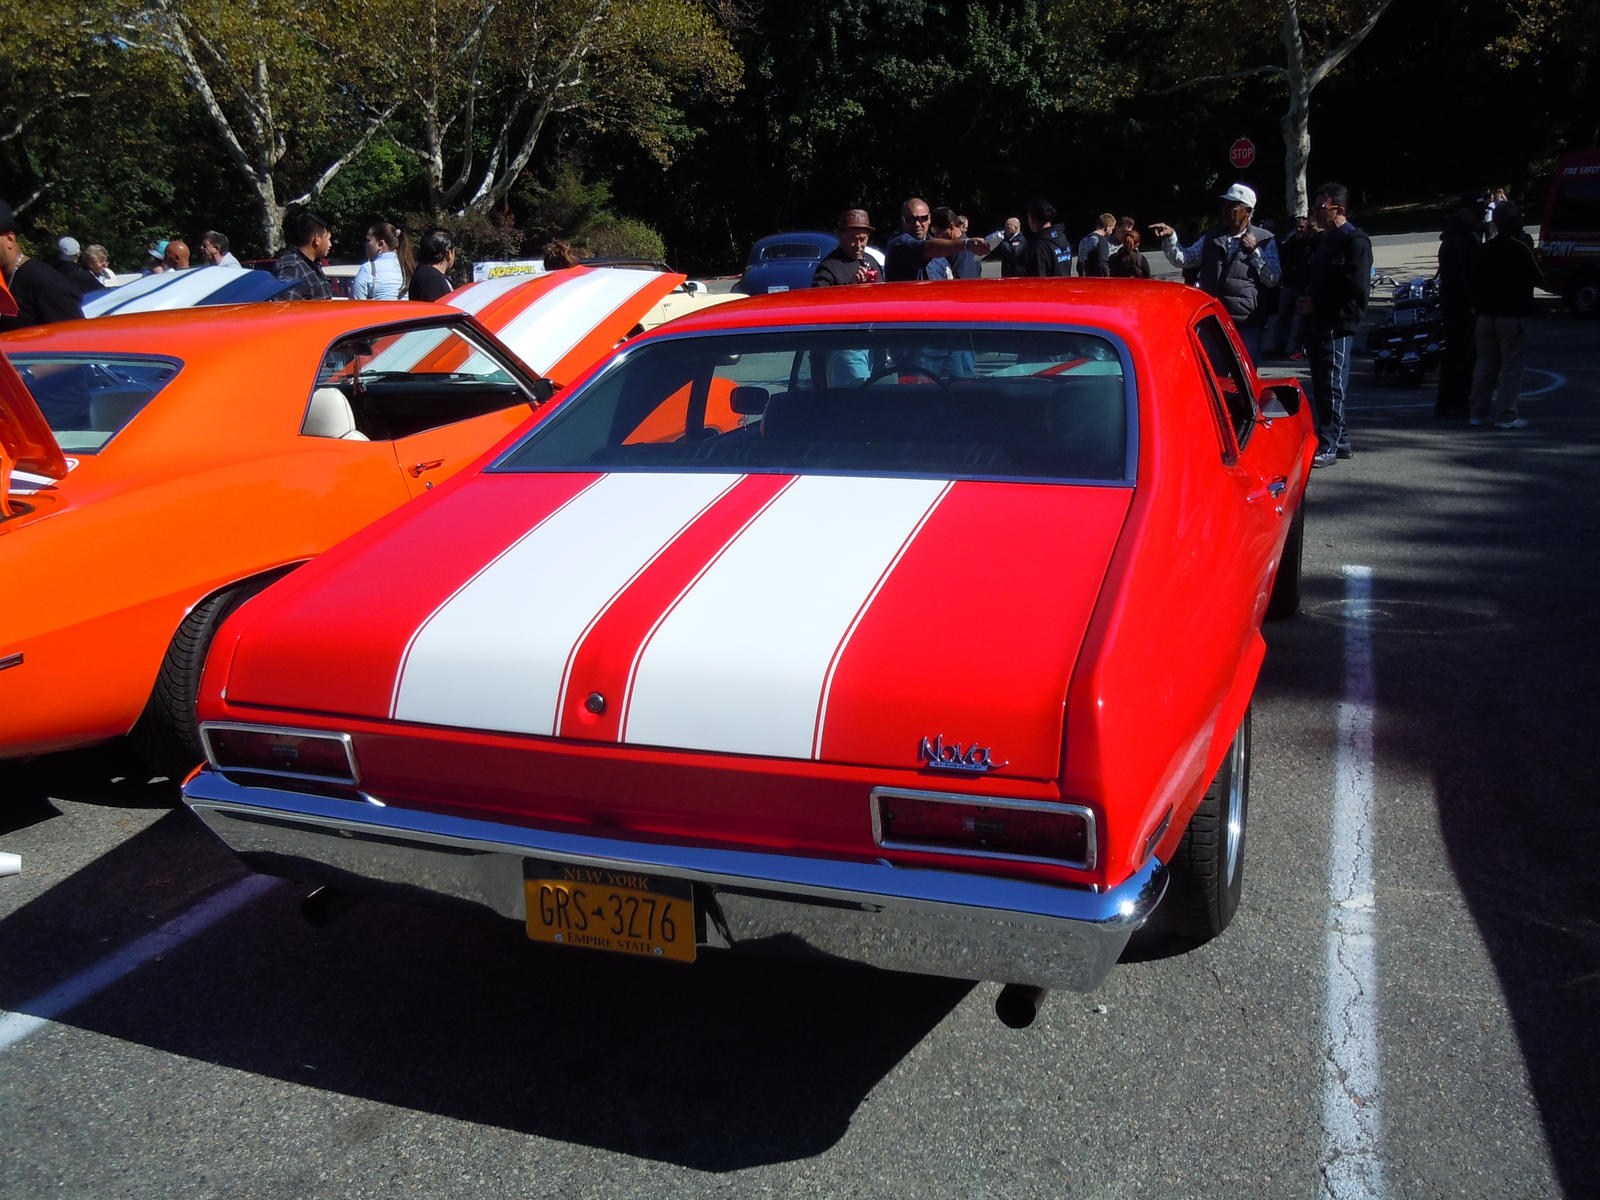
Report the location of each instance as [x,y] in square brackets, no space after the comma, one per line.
[1237,260]
[79,276]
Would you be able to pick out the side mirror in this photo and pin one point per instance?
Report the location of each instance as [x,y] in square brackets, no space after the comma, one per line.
[1281,400]
[544,389]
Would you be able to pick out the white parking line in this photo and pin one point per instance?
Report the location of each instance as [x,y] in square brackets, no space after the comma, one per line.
[1557,381]
[1352,1117]
[34,1014]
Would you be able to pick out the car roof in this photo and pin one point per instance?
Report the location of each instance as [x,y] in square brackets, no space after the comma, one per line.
[1125,307]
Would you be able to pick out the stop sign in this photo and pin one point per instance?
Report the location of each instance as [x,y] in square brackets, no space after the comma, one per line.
[1242,153]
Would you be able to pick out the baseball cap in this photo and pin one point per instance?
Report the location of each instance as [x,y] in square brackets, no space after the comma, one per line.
[854,218]
[159,250]
[1245,196]
[8,220]
[67,248]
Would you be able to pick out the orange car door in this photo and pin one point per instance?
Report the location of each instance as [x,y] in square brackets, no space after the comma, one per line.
[430,457]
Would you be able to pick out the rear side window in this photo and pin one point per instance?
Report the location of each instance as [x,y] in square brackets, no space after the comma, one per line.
[89,399]
[936,401]
[401,382]
[1228,378]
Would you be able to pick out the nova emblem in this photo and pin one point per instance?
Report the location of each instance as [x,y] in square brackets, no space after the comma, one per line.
[936,756]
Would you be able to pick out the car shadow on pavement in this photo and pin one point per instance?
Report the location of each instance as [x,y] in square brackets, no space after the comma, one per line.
[1487,668]
[109,774]
[733,1062]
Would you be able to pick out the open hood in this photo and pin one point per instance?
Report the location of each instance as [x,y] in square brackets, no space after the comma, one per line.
[832,619]
[26,443]
[561,322]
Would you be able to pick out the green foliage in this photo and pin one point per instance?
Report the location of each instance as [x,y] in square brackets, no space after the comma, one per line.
[379,184]
[626,237]
[567,208]
[478,237]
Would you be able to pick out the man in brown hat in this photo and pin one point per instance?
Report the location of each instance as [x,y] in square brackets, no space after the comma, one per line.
[849,261]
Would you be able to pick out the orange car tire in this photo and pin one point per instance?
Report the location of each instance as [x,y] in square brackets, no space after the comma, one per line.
[167,735]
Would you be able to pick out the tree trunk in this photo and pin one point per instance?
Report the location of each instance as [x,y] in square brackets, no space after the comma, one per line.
[1296,120]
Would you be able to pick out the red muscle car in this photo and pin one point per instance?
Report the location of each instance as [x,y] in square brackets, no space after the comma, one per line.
[913,624]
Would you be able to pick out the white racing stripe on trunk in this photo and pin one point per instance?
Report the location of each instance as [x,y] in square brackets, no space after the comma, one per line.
[494,655]
[475,297]
[547,330]
[792,585]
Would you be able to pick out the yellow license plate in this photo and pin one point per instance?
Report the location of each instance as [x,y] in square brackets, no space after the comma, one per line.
[620,911]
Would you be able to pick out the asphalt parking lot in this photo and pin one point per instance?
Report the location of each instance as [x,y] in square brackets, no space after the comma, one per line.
[1405,1006]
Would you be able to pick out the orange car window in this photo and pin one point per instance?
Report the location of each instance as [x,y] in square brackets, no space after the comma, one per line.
[89,399]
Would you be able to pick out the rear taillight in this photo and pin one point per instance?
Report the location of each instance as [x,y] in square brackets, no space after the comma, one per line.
[275,750]
[984,826]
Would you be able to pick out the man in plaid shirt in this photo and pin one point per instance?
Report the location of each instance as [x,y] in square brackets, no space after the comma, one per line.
[309,240]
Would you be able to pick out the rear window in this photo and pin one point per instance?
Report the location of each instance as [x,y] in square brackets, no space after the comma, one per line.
[940,401]
[779,250]
[89,399]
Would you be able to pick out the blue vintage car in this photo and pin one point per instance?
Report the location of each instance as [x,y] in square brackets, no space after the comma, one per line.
[784,262]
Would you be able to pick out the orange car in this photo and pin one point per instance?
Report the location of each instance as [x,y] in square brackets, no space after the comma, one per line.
[185,459]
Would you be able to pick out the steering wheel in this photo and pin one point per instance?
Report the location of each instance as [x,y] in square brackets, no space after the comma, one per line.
[909,369]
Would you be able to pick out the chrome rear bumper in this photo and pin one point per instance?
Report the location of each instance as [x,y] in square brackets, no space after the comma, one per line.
[934,922]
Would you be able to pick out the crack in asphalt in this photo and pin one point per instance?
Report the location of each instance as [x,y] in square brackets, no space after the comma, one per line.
[1352,1125]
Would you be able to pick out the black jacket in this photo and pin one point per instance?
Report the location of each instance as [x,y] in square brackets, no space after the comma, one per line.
[1341,280]
[1505,272]
[1048,252]
[836,269]
[42,295]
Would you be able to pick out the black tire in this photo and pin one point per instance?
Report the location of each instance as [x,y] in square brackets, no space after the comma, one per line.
[1583,293]
[1208,868]
[167,735]
[1285,598]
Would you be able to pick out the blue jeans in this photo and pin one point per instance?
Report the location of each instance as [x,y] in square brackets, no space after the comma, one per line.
[1330,380]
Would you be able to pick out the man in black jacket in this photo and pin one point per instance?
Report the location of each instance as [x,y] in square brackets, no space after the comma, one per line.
[849,262]
[1336,301]
[1505,272]
[41,293]
[1048,251]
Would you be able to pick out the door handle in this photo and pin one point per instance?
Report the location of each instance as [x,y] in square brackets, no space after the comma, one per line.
[432,464]
[1275,489]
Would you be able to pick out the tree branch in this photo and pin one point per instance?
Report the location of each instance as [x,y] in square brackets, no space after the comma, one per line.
[1200,80]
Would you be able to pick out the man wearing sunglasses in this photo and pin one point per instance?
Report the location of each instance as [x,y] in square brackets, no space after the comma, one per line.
[1336,301]
[908,253]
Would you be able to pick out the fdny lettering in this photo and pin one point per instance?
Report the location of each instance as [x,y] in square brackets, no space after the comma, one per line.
[936,756]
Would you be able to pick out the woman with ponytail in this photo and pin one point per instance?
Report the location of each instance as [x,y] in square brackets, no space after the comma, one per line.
[387,272]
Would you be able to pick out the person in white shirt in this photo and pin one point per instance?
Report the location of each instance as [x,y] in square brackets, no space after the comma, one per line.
[214,249]
[386,273]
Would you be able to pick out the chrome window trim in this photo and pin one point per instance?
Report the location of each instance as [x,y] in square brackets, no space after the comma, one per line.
[344,739]
[1130,396]
[1091,839]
